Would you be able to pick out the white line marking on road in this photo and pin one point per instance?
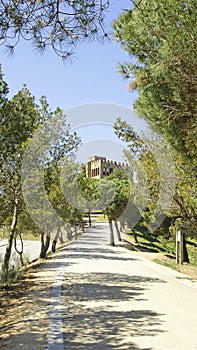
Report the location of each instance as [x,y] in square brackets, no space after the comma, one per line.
[55,331]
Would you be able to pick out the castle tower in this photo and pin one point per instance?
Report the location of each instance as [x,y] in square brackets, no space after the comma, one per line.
[99,167]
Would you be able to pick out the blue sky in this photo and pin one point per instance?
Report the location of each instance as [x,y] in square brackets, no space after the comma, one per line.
[91,78]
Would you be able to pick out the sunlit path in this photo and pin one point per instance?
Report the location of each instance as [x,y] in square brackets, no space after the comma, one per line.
[112,299]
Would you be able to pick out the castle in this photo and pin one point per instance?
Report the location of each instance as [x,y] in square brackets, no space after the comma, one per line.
[99,167]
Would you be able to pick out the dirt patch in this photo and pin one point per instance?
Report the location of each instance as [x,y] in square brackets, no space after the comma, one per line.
[189,270]
[25,310]
[25,307]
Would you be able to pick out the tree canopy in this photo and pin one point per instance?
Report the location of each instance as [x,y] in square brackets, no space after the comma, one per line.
[60,24]
[27,129]
[165,194]
[161,36]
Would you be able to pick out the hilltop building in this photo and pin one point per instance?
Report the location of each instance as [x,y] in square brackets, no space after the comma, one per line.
[99,167]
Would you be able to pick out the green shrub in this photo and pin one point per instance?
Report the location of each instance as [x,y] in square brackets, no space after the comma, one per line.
[11,275]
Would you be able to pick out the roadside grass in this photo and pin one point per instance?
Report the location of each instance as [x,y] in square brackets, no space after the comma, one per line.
[28,235]
[96,217]
[150,243]
[189,269]
[192,251]
[100,218]
[10,277]
[14,273]
[168,262]
[167,247]
[16,269]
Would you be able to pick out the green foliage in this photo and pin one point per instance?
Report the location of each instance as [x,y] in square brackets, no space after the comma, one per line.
[121,193]
[57,24]
[24,122]
[19,119]
[160,36]
[60,204]
[11,275]
[184,207]
[89,189]
[3,88]
[182,212]
[147,182]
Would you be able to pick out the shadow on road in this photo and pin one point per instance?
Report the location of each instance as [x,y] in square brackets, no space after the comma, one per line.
[24,309]
[98,313]
[100,310]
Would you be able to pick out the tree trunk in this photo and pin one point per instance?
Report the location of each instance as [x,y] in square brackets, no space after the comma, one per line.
[122,225]
[185,252]
[111,238]
[16,249]
[135,236]
[82,226]
[89,219]
[44,245]
[69,233]
[58,235]
[53,248]
[6,261]
[118,231]
[75,232]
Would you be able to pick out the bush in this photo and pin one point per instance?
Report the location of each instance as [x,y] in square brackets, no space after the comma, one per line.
[11,275]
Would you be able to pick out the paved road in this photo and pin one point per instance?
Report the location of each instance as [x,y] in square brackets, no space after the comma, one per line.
[106,298]
[31,249]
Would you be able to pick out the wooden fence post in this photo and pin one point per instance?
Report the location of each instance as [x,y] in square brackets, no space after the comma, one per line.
[179,247]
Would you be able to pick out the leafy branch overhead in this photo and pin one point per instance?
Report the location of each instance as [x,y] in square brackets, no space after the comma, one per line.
[59,24]
[161,36]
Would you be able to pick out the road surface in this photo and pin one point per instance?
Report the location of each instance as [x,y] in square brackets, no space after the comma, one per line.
[107,298]
[91,296]
[31,249]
